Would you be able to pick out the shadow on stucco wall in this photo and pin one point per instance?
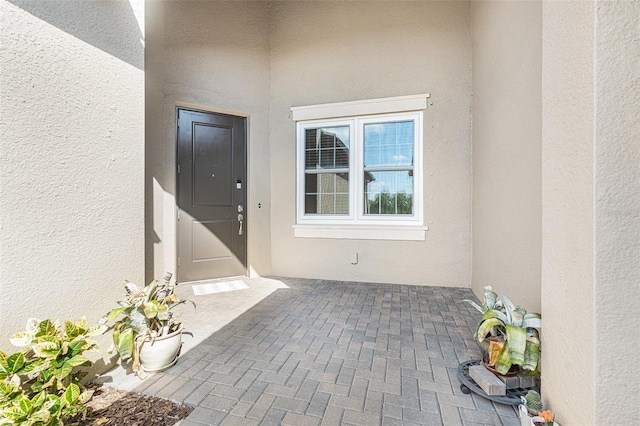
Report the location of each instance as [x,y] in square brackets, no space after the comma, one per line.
[110,26]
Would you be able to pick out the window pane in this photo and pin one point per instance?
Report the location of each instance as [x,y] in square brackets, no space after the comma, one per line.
[388,144]
[327,148]
[326,193]
[388,192]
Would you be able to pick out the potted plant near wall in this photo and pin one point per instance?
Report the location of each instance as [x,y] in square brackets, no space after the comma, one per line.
[145,330]
[531,413]
[508,335]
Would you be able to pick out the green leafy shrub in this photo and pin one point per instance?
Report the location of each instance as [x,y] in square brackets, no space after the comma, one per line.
[41,383]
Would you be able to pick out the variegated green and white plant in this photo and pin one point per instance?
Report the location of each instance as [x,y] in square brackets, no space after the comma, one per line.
[507,333]
[144,315]
[41,384]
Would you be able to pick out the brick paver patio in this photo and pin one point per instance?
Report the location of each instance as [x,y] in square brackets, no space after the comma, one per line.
[313,352]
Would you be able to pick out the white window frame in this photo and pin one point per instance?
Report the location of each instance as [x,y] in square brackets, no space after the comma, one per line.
[357,225]
[321,219]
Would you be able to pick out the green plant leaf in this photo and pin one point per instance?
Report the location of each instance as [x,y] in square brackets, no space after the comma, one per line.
[531,354]
[151,290]
[46,379]
[85,396]
[6,388]
[151,309]
[113,314]
[38,400]
[494,313]
[46,328]
[32,326]
[517,338]
[34,366]
[488,326]
[41,415]
[63,371]
[503,364]
[4,367]
[532,320]
[506,303]
[15,362]
[76,347]
[72,330]
[517,316]
[137,317]
[490,298]
[77,361]
[72,394]
[81,323]
[123,342]
[163,312]
[21,339]
[13,413]
[55,405]
[96,330]
[46,349]
[25,405]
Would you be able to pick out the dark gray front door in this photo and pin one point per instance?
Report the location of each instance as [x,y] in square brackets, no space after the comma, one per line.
[212,230]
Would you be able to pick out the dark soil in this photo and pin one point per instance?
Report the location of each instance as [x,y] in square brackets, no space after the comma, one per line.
[115,407]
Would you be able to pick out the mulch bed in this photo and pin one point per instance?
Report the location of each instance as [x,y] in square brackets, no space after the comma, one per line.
[110,406]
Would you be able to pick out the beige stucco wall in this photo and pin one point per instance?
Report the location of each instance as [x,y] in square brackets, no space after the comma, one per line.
[617,212]
[215,54]
[591,199]
[324,52]
[568,281]
[507,130]
[71,158]
[154,140]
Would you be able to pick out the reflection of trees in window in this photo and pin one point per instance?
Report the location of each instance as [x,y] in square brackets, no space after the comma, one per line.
[388,158]
[389,192]
[386,203]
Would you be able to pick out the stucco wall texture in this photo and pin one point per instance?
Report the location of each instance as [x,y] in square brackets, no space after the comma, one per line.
[262,58]
[507,131]
[154,141]
[568,304]
[617,211]
[214,55]
[71,159]
[323,52]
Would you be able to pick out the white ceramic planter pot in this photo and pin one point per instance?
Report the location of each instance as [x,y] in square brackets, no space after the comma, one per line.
[535,421]
[162,352]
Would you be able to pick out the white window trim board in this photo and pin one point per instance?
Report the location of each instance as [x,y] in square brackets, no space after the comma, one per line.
[360,108]
[360,232]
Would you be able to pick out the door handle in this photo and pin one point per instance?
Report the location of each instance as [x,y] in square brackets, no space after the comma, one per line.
[241,220]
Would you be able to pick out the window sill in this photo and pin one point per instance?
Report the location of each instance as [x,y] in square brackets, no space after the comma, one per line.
[348,232]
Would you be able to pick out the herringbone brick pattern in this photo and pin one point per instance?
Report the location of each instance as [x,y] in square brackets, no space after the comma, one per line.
[329,353]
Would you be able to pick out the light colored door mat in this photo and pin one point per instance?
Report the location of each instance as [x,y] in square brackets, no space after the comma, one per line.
[202,289]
